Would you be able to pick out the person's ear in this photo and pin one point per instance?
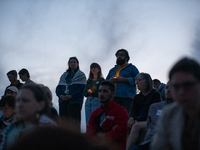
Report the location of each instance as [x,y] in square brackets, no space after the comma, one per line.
[41,105]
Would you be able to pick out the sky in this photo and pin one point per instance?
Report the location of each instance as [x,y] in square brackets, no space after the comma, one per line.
[41,35]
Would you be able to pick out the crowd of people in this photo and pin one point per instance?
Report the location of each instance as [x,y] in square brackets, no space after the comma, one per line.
[127,110]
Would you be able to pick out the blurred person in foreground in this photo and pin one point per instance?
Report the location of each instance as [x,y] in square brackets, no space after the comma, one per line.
[56,138]
[53,112]
[7,105]
[31,112]
[109,121]
[155,110]
[178,126]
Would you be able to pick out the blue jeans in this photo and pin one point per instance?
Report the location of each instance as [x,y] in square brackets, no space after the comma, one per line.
[91,104]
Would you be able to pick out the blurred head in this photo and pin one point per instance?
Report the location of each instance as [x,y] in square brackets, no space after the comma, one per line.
[54,138]
[12,76]
[31,100]
[24,74]
[143,82]
[156,83]
[122,56]
[168,94]
[185,80]
[7,105]
[48,93]
[106,92]
[73,64]
[11,90]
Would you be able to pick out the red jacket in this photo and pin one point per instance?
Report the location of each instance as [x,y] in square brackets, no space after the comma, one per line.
[115,124]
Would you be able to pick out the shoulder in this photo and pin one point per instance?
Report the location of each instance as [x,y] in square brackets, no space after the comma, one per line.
[171,109]
[46,121]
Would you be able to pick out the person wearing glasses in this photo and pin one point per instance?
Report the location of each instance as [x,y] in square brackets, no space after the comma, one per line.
[140,107]
[123,76]
[178,126]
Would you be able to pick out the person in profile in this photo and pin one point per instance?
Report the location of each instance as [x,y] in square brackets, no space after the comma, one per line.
[123,76]
[109,121]
[12,76]
[178,125]
[160,87]
[91,91]
[155,110]
[25,76]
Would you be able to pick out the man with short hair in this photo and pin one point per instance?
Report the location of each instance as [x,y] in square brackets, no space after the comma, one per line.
[25,76]
[12,76]
[178,126]
[123,76]
[110,119]
[160,87]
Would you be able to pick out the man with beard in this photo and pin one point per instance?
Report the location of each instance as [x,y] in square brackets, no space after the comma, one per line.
[109,121]
[123,76]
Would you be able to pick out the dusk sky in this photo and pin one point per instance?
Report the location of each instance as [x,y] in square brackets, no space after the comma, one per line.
[41,35]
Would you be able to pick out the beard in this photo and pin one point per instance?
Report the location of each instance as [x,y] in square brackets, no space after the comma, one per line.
[104,100]
[120,61]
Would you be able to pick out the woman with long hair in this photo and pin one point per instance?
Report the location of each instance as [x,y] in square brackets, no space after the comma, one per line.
[31,112]
[91,90]
[70,91]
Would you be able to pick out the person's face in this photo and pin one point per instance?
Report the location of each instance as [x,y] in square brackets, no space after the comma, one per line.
[9,92]
[12,78]
[121,58]
[186,90]
[26,106]
[7,111]
[141,83]
[168,94]
[105,95]
[22,77]
[73,64]
[95,70]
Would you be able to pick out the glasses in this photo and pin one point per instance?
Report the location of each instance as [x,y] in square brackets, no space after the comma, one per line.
[185,85]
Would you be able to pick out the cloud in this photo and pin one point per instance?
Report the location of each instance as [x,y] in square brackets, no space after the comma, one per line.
[42,35]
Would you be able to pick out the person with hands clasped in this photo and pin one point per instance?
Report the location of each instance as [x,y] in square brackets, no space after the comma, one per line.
[70,91]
